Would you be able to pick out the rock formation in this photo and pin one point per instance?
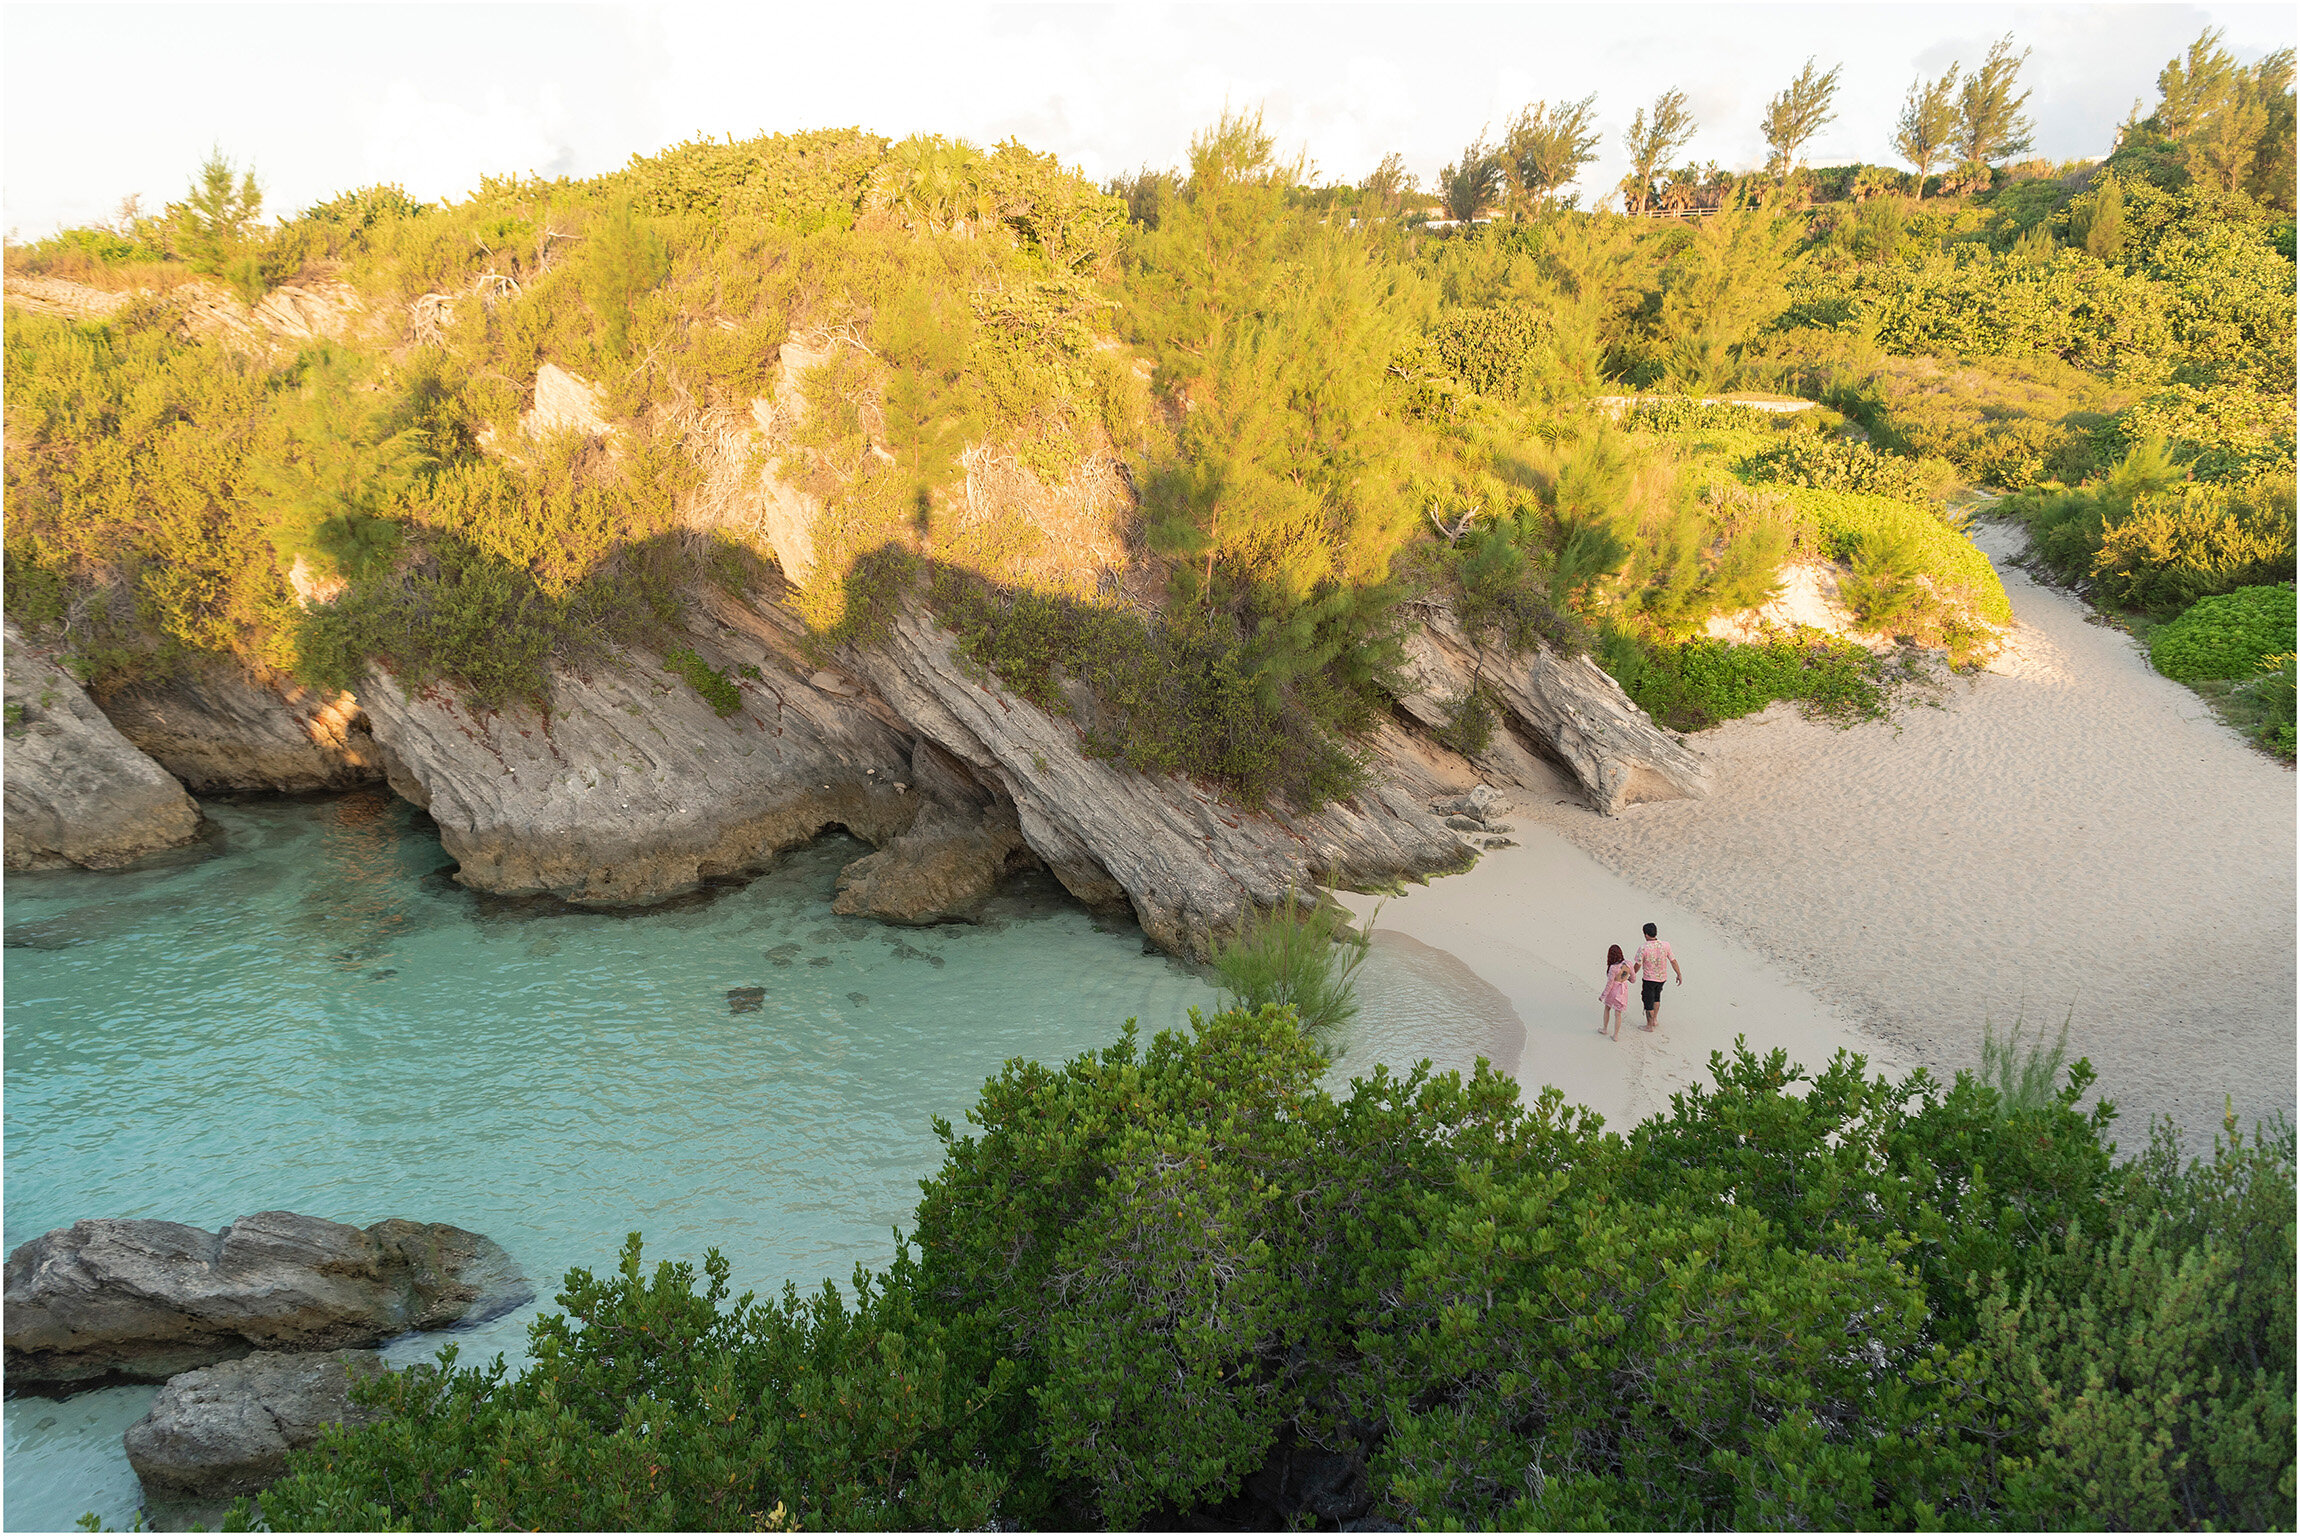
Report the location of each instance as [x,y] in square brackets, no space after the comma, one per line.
[217,729]
[78,792]
[965,840]
[1565,709]
[225,1430]
[631,787]
[145,1300]
[1184,857]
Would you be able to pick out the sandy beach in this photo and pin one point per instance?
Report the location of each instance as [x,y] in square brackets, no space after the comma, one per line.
[2065,835]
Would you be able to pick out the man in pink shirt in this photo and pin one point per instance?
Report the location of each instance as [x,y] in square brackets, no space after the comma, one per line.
[1652,957]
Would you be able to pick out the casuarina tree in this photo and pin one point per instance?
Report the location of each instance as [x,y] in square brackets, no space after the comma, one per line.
[1927,128]
[1544,148]
[1652,139]
[1792,118]
[1991,126]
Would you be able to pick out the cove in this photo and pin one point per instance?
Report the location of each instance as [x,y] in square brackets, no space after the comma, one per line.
[304,1013]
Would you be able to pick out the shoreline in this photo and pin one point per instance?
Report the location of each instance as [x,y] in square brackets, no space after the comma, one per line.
[1526,930]
[2066,834]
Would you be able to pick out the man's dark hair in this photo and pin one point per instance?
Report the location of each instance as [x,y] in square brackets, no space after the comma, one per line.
[1652,932]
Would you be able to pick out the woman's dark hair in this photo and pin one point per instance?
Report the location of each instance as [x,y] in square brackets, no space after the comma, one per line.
[1652,932]
[1613,956]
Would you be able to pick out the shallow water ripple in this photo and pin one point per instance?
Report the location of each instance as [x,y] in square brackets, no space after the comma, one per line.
[301,1015]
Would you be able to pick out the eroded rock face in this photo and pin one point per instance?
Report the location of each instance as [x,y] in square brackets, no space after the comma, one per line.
[1565,708]
[78,792]
[940,871]
[225,1430]
[631,788]
[218,729]
[1187,860]
[109,1300]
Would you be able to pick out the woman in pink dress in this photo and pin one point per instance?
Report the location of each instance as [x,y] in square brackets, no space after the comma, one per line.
[1618,974]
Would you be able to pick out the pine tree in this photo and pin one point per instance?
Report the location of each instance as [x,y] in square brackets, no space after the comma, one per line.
[1471,184]
[212,226]
[1544,148]
[926,338]
[623,258]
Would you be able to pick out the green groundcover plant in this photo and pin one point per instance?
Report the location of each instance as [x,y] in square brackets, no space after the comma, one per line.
[2226,637]
[1178,1282]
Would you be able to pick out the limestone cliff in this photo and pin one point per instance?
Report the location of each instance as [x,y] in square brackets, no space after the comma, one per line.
[1562,708]
[78,792]
[1187,859]
[218,729]
[629,787]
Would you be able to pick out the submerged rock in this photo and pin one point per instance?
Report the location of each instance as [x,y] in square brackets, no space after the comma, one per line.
[943,870]
[225,1430]
[77,791]
[218,729]
[106,1300]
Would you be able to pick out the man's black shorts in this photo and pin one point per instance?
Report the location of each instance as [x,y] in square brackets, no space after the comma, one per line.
[1652,994]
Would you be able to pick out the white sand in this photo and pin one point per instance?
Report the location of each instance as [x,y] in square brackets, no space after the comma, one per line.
[2067,832]
[1507,960]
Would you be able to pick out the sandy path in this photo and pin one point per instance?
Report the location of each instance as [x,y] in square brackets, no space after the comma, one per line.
[2067,832]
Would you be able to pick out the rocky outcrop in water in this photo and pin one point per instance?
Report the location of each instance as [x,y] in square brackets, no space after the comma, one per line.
[964,843]
[1185,858]
[77,791]
[226,1430]
[1562,708]
[631,787]
[110,1300]
[218,729]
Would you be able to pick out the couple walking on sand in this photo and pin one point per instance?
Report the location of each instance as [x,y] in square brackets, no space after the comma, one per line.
[1654,956]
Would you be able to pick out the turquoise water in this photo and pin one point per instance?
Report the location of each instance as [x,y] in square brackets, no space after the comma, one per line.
[304,1013]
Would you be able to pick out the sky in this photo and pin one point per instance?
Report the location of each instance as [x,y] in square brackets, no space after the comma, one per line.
[103,101]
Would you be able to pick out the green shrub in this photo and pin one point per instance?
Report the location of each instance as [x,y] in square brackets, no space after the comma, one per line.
[1835,464]
[2066,527]
[2004,422]
[1850,524]
[457,614]
[2267,705]
[1147,1283]
[2221,432]
[1691,685]
[1168,697]
[1682,414]
[2225,637]
[1489,349]
[2176,546]
[1296,956]
[716,688]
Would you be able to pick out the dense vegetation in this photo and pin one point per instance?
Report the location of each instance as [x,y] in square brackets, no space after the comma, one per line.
[1178,1283]
[1203,439]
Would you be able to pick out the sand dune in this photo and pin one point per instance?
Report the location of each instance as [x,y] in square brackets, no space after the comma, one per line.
[2068,834]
